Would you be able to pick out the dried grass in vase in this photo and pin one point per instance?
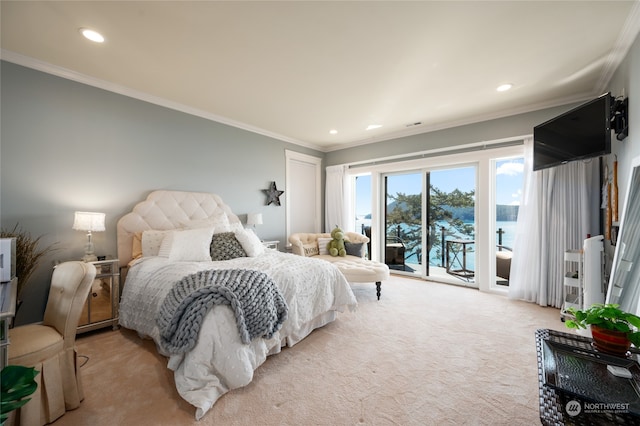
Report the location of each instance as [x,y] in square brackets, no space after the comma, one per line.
[28,254]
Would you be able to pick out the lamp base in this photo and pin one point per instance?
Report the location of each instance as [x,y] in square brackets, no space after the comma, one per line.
[89,258]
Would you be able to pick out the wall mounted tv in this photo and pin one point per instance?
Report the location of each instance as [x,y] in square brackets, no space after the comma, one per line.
[584,132]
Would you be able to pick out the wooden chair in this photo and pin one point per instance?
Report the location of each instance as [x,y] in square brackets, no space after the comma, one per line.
[50,346]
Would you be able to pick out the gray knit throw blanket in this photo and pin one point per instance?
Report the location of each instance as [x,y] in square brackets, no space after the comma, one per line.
[254,298]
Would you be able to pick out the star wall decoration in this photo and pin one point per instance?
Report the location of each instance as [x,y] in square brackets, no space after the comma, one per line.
[273,195]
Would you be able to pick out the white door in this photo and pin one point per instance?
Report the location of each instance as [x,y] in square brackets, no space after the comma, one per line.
[303,186]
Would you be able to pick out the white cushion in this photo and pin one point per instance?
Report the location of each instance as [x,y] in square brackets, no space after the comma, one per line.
[165,246]
[249,242]
[190,245]
[322,245]
[151,242]
[359,270]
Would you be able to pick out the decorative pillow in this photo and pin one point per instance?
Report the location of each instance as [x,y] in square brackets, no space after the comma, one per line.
[354,249]
[165,245]
[249,242]
[322,245]
[189,245]
[225,246]
[311,249]
[136,250]
[151,241]
[235,227]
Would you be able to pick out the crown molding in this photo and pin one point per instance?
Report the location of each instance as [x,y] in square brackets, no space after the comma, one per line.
[29,62]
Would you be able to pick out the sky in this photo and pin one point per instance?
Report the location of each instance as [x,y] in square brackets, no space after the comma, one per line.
[509,180]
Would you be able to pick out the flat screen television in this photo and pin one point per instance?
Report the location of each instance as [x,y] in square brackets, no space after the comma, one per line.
[584,132]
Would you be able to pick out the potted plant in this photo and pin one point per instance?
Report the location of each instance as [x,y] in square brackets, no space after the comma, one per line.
[612,329]
[16,385]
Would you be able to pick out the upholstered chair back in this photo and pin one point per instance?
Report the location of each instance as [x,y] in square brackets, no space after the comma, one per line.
[70,284]
[50,347]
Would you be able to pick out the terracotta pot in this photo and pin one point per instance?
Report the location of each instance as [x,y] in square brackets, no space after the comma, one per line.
[610,341]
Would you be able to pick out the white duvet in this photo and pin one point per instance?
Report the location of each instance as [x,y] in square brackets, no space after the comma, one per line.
[313,289]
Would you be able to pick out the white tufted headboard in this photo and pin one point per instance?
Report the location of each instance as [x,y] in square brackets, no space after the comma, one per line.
[164,210]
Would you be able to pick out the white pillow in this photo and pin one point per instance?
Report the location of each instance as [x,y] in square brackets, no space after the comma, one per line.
[250,242]
[322,245]
[236,226]
[190,245]
[165,246]
[151,242]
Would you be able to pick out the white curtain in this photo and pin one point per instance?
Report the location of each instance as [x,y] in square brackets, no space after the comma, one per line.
[555,215]
[335,198]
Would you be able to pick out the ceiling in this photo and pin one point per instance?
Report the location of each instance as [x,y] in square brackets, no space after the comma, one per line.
[296,70]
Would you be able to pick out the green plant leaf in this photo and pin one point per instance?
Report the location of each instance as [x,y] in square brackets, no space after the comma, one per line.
[7,407]
[633,320]
[16,383]
[634,338]
[571,324]
[608,316]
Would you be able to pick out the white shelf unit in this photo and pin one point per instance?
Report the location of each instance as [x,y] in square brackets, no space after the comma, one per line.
[573,281]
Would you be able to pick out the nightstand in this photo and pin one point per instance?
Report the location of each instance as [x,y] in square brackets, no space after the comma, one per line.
[271,244]
[101,307]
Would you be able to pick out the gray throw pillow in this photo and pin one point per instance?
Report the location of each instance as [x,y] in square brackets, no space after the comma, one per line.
[225,246]
[354,249]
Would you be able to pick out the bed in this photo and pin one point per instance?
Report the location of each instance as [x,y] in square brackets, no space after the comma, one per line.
[162,242]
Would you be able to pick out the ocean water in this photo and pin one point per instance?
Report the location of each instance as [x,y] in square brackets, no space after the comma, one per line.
[508,237]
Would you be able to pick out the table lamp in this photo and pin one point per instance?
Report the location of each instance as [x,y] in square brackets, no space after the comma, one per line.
[90,222]
[254,219]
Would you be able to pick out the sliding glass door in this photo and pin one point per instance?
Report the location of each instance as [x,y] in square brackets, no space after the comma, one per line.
[440,223]
[403,222]
[450,210]
[444,218]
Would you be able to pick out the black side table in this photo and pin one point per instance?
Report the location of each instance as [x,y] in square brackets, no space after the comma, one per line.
[575,387]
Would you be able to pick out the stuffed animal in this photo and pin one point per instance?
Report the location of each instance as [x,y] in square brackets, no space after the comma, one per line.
[336,245]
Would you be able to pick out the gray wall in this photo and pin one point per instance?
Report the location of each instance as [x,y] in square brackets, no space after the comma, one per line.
[66,146]
[627,79]
[491,130]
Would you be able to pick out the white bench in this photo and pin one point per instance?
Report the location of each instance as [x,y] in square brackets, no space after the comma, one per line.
[356,269]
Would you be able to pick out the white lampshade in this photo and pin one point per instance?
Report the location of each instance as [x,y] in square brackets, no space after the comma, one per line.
[254,219]
[89,221]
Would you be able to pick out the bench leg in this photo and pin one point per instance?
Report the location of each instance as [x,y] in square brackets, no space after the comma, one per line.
[378,285]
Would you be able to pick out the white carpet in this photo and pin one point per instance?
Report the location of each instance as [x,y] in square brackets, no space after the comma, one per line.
[425,354]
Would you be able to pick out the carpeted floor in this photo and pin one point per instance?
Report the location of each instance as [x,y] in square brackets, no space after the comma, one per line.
[425,354]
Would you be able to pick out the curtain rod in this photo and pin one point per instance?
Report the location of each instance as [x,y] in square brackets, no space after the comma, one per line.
[429,154]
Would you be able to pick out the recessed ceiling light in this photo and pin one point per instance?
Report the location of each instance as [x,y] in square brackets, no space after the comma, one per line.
[504,87]
[373,126]
[92,35]
[333,132]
